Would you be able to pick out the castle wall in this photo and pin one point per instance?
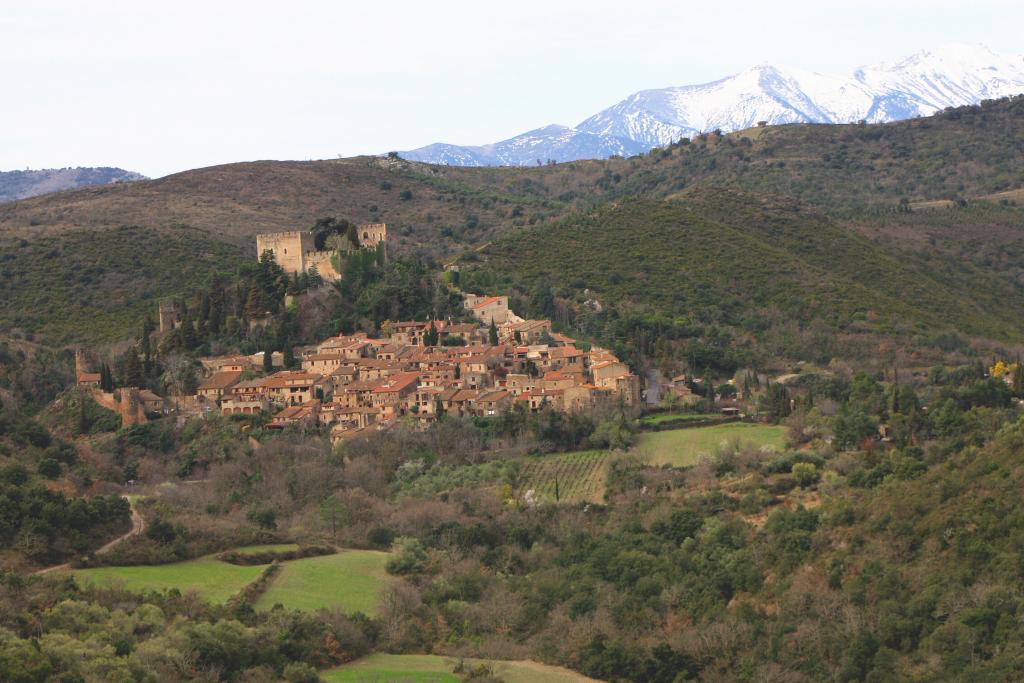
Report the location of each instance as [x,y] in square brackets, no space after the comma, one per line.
[322,261]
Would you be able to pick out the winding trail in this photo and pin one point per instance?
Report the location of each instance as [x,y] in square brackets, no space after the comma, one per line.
[138,526]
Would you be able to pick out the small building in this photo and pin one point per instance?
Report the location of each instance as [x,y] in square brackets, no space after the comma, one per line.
[217,384]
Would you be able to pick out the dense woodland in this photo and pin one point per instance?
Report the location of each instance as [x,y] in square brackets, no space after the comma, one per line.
[881,542]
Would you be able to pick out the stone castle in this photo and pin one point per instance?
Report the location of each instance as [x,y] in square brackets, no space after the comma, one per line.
[296,251]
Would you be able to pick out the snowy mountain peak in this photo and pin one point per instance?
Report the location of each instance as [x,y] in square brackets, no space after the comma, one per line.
[951,75]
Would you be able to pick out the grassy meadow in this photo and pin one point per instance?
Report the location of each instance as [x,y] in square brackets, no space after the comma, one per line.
[682,447]
[383,668]
[210,578]
[350,580]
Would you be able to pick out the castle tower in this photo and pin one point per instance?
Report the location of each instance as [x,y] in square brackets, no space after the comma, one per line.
[372,234]
[167,313]
[289,249]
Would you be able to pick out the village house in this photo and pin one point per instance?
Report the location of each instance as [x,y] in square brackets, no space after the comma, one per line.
[528,331]
[294,387]
[492,403]
[488,309]
[304,415]
[217,384]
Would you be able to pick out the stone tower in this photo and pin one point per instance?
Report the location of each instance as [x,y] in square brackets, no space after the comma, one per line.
[167,313]
[372,234]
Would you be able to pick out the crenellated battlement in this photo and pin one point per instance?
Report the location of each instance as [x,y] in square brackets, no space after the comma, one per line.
[295,250]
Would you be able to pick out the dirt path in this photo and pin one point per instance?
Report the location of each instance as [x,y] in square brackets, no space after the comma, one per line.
[138,526]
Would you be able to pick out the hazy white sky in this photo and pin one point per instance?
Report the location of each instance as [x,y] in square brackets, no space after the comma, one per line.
[159,87]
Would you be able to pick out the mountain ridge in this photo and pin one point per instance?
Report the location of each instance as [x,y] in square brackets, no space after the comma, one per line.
[15,185]
[918,85]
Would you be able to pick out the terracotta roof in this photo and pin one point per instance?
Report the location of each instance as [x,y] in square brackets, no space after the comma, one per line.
[487,302]
[220,380]
[398,382]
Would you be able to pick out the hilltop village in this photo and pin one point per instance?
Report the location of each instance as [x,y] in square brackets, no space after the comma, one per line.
[414,373]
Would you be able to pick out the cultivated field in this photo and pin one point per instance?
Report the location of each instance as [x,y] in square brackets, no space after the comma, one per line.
[682,447]
[574,477]
[210,578]
[350,580]
[380,668]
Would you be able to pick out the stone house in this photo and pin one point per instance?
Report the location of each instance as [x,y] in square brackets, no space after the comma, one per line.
[217,384]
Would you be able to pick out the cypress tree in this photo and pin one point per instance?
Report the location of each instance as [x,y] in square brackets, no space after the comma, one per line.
[188,333]
[132,369]
[289,355]
[268,361]
[492,334]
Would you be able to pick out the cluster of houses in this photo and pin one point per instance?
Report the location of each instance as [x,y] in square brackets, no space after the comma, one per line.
[420,370]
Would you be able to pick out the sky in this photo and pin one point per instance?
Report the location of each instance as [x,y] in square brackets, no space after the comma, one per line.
[161,87]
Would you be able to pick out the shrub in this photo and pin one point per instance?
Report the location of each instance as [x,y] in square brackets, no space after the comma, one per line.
[805,474]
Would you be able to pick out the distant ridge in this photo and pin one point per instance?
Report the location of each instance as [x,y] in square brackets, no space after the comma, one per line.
[24,184]
[928,81]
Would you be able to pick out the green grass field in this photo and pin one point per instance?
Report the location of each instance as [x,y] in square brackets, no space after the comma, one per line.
[683,447]
[381,668]
[212,579]
[350,580]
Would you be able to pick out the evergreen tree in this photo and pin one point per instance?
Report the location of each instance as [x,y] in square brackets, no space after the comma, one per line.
[254,304]
[430,337]
[132,369]
[289,355]
[204,307]
[106,378]
[145,346]
[188,333]
[268,361]
[313,278]
[492,334]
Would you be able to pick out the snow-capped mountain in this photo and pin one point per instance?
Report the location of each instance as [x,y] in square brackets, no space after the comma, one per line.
[919,85]
[557,143]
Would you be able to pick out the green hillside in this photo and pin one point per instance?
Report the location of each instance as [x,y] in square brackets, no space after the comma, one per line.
[97,285]
[745,260]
